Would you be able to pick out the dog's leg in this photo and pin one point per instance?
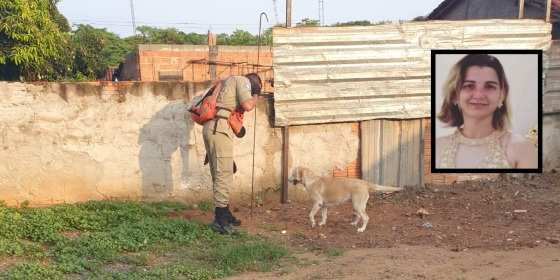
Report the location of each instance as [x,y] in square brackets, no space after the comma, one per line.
[360,204]
[365,219]
[314,210]
[323,215]
[356,218]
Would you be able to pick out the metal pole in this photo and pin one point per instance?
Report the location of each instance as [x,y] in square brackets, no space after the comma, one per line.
[521,8]
[548,9]
[255,119]
[259,39]
[288,13]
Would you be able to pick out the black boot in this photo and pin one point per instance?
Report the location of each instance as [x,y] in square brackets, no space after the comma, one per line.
[232,219]
[221,222]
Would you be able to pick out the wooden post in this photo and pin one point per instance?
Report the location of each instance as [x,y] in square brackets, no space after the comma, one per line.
[285,151]
[288,13]
[286,129]
[212,55]
[521,8]
[548,9]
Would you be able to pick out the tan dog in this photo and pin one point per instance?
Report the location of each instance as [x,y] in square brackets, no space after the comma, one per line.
[329,191]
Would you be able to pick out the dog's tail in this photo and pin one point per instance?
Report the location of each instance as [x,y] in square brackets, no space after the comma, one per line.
[384,189]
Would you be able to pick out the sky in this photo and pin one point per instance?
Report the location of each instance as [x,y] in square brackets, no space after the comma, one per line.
[225,16]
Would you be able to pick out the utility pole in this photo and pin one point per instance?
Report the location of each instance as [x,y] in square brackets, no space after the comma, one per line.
[288,13]
[286,129]
[321,12]
[133,19]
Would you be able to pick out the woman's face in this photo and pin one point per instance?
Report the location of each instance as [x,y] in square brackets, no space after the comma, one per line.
[481,93]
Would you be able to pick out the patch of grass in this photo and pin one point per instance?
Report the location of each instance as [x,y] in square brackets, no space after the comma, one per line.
[137,259]
[256,255]
[334,252]
[27,271]
[176,271]
[205,206]
[117,239]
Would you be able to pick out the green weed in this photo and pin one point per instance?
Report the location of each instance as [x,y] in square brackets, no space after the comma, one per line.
[205,206]
[334,252]
[88,240]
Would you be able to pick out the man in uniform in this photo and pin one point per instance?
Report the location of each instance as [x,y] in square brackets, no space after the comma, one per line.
[236,92]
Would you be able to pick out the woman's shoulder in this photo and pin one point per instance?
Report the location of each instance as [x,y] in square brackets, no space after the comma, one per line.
[520,149]
[516,141]
[444,140]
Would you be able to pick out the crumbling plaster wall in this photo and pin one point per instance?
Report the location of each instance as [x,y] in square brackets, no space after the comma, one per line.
[70,142]
[551,142]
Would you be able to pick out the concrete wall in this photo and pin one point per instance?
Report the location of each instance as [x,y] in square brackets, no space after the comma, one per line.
[551,142]
[69,142]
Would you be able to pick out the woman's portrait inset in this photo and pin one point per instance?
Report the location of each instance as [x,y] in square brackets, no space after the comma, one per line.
[474,96]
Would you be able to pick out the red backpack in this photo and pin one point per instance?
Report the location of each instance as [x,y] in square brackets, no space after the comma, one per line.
[204,109]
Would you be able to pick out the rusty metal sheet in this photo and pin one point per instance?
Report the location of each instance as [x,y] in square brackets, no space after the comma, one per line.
[335,74]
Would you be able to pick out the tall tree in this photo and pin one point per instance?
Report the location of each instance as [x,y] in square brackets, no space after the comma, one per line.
[154,35]
[238,38]
[57,17]
[95,49]
[31,42]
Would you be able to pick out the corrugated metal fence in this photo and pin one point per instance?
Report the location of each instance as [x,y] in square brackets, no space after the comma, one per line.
[337,74]
[369,73]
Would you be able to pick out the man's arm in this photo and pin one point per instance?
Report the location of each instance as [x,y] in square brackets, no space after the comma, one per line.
[249,104]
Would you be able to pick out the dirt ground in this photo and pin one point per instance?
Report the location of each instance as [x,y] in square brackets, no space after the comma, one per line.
[504,229]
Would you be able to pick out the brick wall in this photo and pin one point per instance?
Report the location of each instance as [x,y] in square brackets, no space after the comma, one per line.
[190,62]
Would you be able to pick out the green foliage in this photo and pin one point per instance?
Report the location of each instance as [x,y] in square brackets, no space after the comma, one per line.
[31,42]
[237,38]
[353,23]
[252,255]
[106,246]
[177,271]
[95,49]
[30,271]
[57,17]
[20,248]
[307,22]
[334,252]
[154,35]
[83,239]
[205,206]
[420,18]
